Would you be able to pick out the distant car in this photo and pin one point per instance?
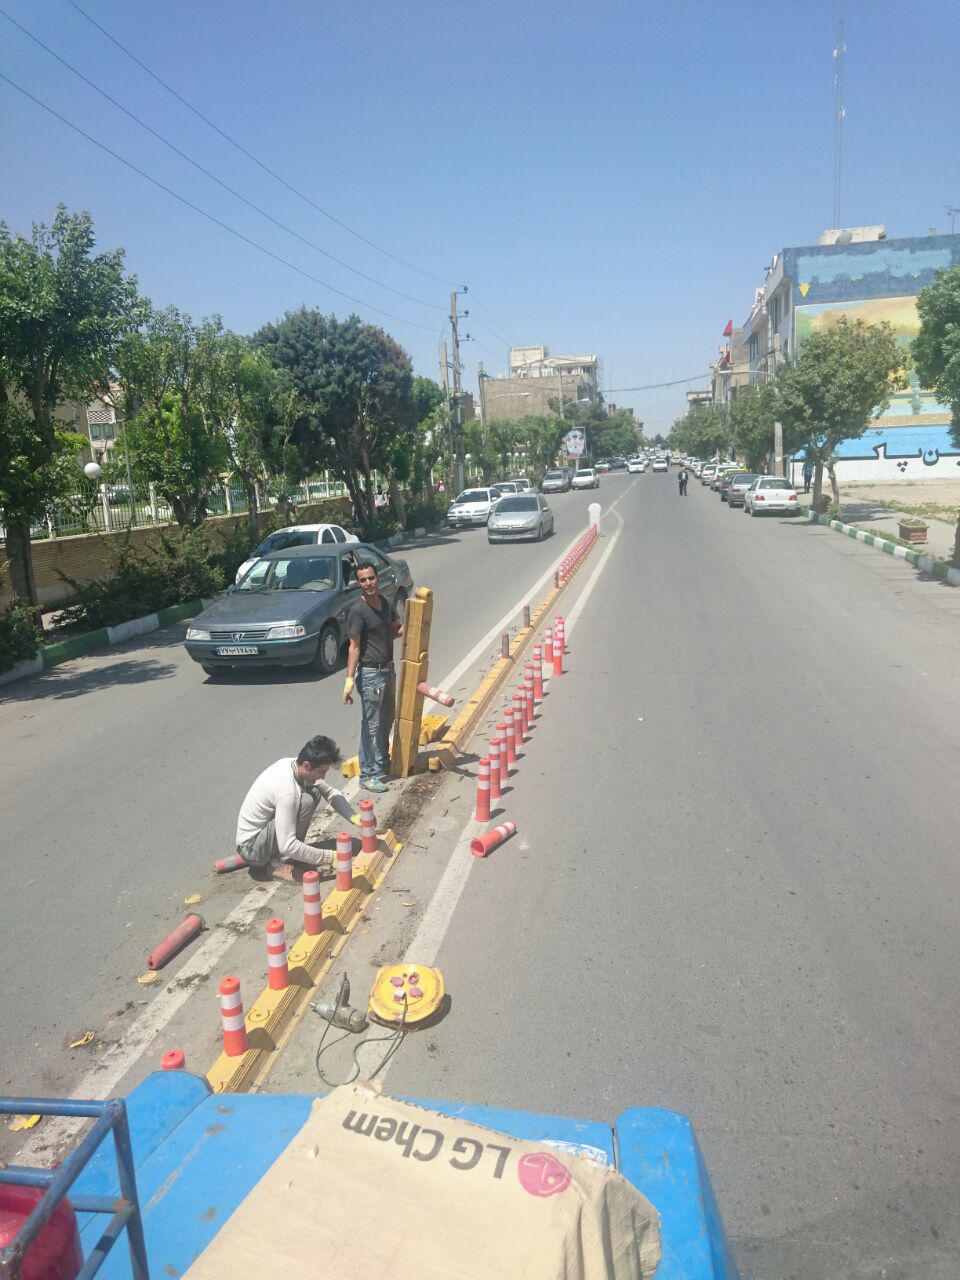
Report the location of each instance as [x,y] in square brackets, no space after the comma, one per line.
[602,466]
[501,487]
[555,482]
[717,477]
[739,484]
[470,507]
[769,494]
[290,608]
[660,464]
[586,478]
[726,480]
[523,484]
[708,472]
[636,466]
[618,464]
[297,535]
[518,516]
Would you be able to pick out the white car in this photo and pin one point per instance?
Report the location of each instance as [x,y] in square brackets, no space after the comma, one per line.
[523,484]
[660,464]
[769,494]
[636,466]
[708,472]
[297,535]
[473,506]
[585,478]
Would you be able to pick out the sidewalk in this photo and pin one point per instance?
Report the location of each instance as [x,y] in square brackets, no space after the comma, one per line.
[872,517]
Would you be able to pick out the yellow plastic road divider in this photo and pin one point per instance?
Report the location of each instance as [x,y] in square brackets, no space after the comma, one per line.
[273,1014]
[414,665]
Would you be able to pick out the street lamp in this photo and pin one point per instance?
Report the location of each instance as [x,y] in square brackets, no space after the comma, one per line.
[93,471]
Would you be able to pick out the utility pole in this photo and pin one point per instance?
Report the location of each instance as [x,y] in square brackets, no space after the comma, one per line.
[952,212]
[480,378]
[840,112]
[459,479]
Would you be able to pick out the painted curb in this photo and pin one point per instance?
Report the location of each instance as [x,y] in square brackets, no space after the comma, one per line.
[20,670]
[135,627]
[274,1014]
[925,563]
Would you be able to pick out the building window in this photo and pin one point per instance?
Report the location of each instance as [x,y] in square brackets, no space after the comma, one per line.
[108,432]
[94,432]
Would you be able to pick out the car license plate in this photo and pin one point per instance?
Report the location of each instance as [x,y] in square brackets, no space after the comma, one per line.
[237,651]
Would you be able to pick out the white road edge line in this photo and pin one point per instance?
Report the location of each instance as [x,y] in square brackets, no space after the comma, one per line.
[436,920]
[141,1035]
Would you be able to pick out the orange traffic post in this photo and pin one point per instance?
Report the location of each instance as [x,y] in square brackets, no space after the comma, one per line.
[519,720]
[436,695]
[528,693]
[368,827]
[538,672]
[312,905]
[504,763]
[511,736]
[231,1018]
[494,756]
[278,973]
[483,790]
[344,862]
[483,844]
[231,863]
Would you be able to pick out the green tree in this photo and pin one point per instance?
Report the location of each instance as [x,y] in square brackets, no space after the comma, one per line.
[703,432]
[841,379]
[63,310]
[936,351]
[753,414]
[173,433]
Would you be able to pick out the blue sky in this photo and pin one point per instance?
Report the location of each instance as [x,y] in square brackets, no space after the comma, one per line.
[608,177]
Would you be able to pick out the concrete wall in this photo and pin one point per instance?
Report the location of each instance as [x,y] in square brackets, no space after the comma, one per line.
[515,398]
[92,556]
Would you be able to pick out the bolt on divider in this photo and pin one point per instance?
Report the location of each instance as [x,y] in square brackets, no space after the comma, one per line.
[344,862]
[278,973]
[231,1018]
[484,844]
[312,905]
[368,827]
[483,790]
[493,754]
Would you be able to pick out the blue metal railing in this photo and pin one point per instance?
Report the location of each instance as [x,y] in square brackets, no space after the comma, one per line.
[124,1210]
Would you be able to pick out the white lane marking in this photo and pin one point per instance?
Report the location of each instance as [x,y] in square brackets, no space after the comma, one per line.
[436,920]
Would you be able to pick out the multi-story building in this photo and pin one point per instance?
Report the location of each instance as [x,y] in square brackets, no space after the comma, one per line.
[535,379]
[859,274]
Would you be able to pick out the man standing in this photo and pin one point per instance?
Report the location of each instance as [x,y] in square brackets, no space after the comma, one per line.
[807,475]
[276,813]
[372,628]
[683,475]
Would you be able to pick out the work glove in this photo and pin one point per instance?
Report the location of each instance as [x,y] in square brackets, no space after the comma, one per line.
[348,690]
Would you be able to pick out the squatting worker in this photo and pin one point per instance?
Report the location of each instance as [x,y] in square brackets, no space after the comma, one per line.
[372,627]
[275,816]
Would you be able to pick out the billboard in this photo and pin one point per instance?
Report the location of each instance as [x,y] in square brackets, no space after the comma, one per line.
[575,443]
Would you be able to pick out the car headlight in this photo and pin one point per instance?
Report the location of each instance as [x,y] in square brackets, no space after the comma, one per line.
[197,633]
[286,631]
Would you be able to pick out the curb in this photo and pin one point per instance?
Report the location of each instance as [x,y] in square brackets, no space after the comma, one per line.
[102,638]
[274,1013]
[927,564]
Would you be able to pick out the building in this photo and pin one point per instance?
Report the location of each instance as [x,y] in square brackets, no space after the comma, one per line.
[730,371]
[859,274]
[697,398]
[535,379]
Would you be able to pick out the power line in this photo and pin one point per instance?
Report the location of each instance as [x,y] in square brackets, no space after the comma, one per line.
[212,176]
[656,386]
[475,299]
[249,154]
[211,217]
[475,319]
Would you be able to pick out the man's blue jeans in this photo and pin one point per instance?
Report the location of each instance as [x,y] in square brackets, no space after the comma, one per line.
[377,697]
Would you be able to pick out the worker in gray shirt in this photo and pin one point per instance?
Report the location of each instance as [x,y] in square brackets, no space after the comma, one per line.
[372,627]
[276,813]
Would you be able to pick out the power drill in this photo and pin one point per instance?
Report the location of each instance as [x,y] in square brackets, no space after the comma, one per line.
[339,1013]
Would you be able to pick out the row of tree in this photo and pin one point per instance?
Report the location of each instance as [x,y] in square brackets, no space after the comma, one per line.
[307,393]
[495,446]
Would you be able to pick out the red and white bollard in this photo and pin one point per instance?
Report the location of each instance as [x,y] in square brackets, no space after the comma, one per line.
[483,844]
[368,827]
[231,1018]
[483,790]
[519,720]
[173,1060]
[436,695]
[344,862]
[231,863]
[530,679]
[278,974]
[538,673]
[558,642]
[312,905]
[528,693]
[511,736]
[494,757]
[548,645]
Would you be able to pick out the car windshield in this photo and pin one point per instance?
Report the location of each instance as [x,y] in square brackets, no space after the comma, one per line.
[775,483]
[553,475]
[301,573]
[585,472]
[517,503]
[473,495]
[285,538]
[744,480]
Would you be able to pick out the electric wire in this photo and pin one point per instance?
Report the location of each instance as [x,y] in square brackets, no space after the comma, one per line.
[224,226]
[513,342]
[212,176]
[655,386]
[249,154]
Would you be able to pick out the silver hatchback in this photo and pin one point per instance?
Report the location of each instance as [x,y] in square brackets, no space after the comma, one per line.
[518,516]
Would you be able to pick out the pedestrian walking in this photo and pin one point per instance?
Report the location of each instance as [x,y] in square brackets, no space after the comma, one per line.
[372,627]
[807,476]
[683,475]
[277,810]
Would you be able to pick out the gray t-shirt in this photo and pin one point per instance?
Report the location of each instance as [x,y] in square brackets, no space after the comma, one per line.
[375,629]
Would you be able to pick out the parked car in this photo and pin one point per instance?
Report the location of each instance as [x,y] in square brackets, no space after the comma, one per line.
[520,515]
[602,466]
[501,487]
[771,494]
[470,507]
[739,484]
[708,472]
[660,464]
[297,535]
[586,478]
[618,464]
[720,472]
[729,475]
[555,482]
[523,484]
[636,466]
[290,608]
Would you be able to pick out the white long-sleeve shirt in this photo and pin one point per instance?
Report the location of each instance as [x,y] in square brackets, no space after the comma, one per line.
[280,797]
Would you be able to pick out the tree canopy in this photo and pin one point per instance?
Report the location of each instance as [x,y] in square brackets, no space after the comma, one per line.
[936,350]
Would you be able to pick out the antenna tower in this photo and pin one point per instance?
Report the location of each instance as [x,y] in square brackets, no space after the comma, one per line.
[840,112]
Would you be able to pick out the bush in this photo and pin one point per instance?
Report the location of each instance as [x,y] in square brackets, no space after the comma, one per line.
[19,637]
[427,512]
[181,569]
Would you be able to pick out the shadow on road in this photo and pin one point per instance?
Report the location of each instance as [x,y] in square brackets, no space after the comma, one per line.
[68,681]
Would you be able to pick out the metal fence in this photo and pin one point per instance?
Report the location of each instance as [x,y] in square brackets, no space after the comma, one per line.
[100,508]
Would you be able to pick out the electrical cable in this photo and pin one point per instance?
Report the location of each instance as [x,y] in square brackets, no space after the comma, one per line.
[655,386]
[249,154]
[512,341]
[224,226]
[212,176]
[395,1039]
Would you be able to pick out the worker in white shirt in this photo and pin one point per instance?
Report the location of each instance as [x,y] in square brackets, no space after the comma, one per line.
[276,813]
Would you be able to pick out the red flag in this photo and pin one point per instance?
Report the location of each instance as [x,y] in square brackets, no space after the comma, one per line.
[729,329]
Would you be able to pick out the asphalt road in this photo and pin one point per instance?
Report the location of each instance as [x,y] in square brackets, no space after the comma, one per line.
[121,777]
[733,892]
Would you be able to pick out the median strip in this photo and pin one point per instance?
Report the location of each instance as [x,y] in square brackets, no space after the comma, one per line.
[925,563]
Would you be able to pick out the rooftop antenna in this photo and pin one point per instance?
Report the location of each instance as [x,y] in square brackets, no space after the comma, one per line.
[840,112]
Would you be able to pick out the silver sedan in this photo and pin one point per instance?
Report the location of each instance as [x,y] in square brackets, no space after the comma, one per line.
[518,516]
